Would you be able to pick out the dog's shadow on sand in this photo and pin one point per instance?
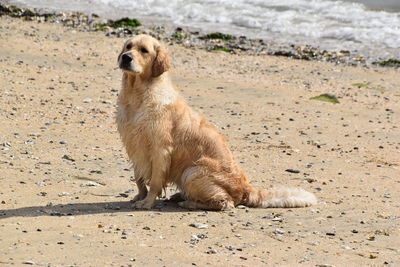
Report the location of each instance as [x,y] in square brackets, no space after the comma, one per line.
[77,209]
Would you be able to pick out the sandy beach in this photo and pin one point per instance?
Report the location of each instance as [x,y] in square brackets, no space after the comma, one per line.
[65,189]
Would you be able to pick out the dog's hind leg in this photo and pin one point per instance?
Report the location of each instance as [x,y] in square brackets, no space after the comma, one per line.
[211,205]
[203,190]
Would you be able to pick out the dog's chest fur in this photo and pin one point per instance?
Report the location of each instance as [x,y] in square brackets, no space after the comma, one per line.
[140,120]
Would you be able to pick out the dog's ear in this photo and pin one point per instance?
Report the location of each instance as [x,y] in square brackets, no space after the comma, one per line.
[162,62]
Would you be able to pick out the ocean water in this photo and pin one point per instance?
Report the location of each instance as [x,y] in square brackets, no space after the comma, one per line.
[370,28]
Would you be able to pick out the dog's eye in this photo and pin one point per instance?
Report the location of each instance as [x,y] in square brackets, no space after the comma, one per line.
[129,46]
[144,50]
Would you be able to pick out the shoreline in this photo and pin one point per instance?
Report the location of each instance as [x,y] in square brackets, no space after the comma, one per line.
[192,38]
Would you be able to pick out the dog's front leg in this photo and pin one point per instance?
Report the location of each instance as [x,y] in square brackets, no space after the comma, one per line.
[142,190]
[160,165]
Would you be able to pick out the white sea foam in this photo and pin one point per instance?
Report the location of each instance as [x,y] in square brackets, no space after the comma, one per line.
[325,23]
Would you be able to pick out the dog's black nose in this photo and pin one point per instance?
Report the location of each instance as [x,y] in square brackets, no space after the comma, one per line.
[127,57]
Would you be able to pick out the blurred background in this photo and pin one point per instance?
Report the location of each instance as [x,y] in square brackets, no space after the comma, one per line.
[367,27]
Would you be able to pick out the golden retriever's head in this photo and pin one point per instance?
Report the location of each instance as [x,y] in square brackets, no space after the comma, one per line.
[145,56]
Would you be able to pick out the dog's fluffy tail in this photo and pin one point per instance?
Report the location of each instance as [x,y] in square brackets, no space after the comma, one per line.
[280,197]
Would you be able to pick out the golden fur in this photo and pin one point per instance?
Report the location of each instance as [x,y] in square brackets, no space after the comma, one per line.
[169,143]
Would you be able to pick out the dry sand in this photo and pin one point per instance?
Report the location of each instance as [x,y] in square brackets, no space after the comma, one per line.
[65,189]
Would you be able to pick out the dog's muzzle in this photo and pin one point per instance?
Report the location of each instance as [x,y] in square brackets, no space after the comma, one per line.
[125,62]
[127,58]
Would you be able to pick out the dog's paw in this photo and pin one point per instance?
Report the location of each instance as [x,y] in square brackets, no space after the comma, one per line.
[143,204]
[138,197]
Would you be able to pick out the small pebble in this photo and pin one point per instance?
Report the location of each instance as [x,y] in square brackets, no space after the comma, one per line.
[68,157]
[77,236]
[28,262]
[314,243]
[90,183]
[278,232]
[292,171]
[199,225]
[267,217]
[373,256]
[212,251]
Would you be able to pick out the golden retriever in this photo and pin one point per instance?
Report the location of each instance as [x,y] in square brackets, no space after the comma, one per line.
[169,143]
